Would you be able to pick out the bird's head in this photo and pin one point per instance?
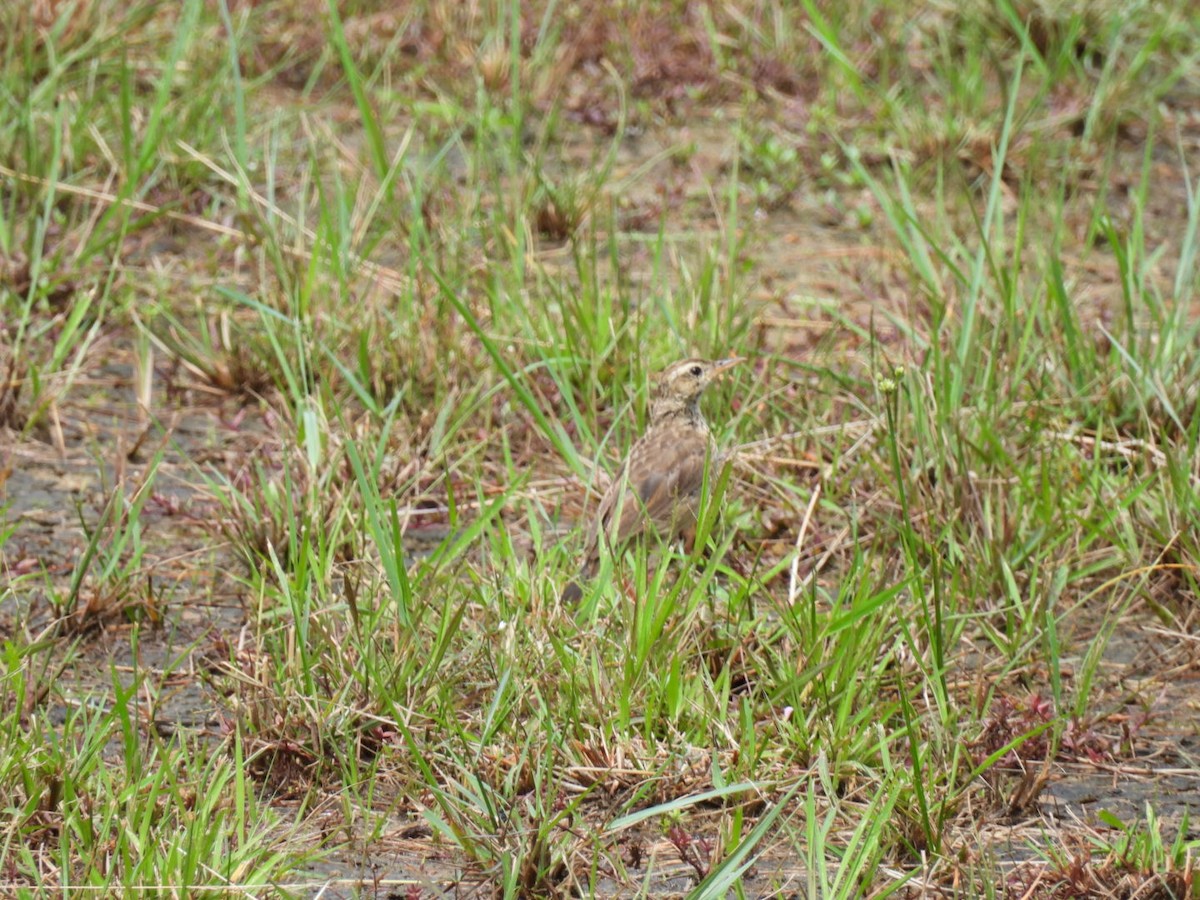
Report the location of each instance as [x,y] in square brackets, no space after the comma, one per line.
[686,380]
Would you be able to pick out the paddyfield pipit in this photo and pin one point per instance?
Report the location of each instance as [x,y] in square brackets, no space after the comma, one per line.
[659,482]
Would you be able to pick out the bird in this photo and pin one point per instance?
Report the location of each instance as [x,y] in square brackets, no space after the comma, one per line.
[660,480]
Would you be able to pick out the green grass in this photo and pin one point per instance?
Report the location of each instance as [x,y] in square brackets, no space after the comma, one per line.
[347,310]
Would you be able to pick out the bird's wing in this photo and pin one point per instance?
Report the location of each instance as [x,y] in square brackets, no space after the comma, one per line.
[665,467]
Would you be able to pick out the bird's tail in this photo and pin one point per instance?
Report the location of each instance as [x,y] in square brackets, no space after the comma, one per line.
[573,592]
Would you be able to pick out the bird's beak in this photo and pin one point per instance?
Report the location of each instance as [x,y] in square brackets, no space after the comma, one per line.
[722,364]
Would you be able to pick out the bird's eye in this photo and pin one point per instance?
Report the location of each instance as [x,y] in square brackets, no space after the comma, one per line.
[696,371]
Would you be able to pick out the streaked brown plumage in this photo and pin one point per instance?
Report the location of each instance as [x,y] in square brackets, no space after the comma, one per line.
[660,480]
